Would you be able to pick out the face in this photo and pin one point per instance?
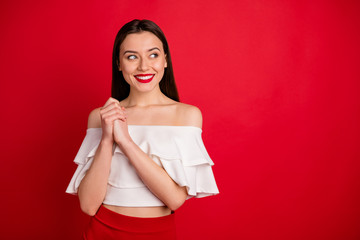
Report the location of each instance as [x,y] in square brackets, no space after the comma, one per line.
[142,60]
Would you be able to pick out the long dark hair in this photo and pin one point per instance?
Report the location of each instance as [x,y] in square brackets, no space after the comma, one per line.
[120,89]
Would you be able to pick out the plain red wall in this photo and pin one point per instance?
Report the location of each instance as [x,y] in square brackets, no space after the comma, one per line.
[277,83]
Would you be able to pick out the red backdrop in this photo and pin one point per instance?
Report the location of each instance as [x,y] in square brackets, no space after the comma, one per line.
[277,83]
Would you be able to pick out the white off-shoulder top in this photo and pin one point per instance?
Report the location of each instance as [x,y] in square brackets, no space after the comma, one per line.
[178,149]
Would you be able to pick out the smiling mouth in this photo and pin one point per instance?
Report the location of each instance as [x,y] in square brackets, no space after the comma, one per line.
[144,78]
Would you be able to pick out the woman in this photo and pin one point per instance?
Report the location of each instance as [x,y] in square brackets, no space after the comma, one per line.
[142,155]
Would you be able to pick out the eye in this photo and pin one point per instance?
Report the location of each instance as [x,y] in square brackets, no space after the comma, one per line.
[131,57]
[154,55]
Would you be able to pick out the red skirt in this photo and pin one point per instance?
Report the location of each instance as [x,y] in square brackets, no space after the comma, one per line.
[107,224]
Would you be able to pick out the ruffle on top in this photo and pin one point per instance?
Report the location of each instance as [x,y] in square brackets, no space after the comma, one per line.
[178,149]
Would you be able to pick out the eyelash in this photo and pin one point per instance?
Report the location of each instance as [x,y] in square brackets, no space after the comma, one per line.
[128,57]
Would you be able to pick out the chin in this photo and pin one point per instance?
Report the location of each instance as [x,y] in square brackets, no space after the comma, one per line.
[145,87]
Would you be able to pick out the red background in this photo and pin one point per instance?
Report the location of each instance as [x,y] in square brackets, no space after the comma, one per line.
[277,83]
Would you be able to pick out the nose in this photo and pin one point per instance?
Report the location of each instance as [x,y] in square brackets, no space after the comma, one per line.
[143,64]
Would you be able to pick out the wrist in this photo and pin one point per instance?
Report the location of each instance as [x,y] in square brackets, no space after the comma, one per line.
[106,142]
[126,144]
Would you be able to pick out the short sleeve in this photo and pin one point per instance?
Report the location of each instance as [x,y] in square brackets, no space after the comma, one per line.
[84,158]
[183,155]
[193,169]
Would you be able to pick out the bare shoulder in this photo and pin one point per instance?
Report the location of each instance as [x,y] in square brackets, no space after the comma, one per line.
[94,120]
[189,115]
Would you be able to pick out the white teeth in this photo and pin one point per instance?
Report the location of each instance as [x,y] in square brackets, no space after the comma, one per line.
[144,77]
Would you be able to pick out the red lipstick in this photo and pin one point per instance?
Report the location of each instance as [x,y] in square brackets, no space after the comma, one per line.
[144,78]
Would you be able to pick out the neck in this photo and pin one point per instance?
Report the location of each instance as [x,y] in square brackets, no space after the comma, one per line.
[144,99]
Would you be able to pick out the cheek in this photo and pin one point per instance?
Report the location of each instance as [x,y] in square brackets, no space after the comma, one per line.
[159,65]
[128,68]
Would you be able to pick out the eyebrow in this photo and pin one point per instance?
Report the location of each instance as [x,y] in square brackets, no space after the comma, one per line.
[131,51]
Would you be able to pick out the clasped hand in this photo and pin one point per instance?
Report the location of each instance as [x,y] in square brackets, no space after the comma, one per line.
[113,122]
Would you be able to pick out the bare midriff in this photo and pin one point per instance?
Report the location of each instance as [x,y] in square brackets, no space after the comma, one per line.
[140,211]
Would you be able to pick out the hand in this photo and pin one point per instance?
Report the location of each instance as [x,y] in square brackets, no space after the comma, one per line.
[109,113]
[121,132]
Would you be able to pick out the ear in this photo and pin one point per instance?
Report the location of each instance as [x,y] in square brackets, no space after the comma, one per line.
[165,61]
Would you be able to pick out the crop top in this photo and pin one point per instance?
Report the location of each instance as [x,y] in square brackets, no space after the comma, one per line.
[179,150]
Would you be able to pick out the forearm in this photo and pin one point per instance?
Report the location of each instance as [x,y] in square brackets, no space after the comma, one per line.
[93,186]
[155,177]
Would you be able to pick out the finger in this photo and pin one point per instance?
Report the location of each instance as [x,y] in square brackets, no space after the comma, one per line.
[111,111]
[113,105]
[123,109]
[107,108]
[110,100]
[112,118]
[115,116]
[121,117]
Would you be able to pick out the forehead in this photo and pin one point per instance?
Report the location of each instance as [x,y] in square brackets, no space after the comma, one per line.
[142,41]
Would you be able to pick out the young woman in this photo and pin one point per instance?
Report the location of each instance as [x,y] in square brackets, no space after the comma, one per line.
[143,154]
